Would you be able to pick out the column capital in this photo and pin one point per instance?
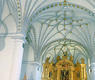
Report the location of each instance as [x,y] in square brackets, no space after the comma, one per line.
[17,37]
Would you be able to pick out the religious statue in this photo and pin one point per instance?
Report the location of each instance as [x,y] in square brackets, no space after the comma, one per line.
[64,75]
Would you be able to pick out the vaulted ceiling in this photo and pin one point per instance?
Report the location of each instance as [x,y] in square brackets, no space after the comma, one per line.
[47,21]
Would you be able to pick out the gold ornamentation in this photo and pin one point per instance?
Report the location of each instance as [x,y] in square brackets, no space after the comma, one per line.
[64,69]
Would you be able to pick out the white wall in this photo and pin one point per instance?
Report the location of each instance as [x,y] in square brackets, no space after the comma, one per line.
[6,59]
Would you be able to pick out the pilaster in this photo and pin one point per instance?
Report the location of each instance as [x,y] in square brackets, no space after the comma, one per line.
[17,56]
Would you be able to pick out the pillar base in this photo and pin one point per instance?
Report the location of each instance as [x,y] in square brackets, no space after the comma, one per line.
[36,71]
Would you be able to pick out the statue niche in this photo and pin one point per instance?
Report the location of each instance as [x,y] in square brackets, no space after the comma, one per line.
[64,69]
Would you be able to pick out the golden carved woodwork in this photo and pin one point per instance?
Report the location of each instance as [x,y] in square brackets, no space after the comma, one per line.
[64,69]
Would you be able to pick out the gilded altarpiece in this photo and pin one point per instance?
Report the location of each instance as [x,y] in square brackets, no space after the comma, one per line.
[64,69]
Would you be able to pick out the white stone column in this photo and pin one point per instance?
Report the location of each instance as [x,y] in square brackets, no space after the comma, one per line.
[17,57]
[92,71]
[36,71]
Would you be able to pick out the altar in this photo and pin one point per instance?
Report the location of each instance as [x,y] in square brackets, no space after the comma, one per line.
[64,69]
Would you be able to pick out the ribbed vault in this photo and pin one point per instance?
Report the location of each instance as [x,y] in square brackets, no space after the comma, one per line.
[58,47]
[3,27]
[61,20]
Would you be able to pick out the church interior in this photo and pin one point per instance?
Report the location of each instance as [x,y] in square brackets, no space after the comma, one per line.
[47,39]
